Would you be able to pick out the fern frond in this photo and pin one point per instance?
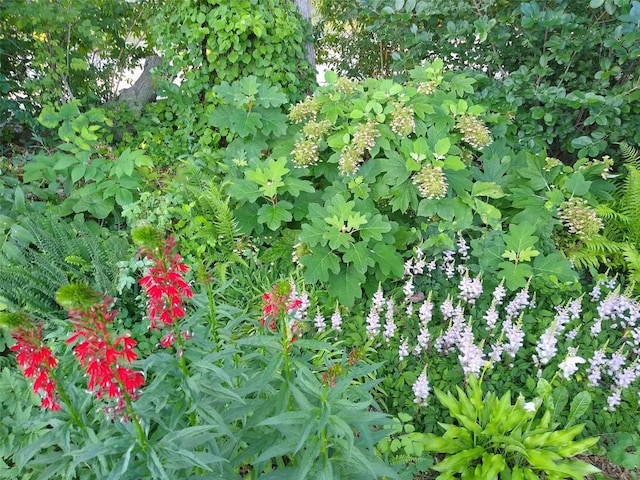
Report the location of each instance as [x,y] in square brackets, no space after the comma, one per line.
[630,154]
[58,253]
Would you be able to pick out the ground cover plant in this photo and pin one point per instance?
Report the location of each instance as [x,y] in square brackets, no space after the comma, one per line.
[425,269]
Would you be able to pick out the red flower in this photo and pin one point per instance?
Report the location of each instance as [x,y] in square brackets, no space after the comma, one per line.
[277,301]
[165,285]
[37,363]
[103,357]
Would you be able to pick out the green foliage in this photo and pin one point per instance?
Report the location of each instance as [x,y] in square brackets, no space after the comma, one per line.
[240,404]
[565,73]
[214,44]
[491,437]
[55,51]
[42,253]
[83,175]
[617,246]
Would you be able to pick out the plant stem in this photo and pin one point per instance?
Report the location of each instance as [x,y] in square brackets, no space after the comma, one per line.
[142,438]
[212,315]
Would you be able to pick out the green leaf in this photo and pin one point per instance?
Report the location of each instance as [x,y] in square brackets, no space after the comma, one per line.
[520,237]
[443,146]
[374,228]
[555,266]
[515,275]
[78,171]
[273,215]
[359,256]
[64,162]
[389,261]
[346,285]
[489,214]
[487,189]
[244,190]
[314,233]
[579,406]
[330,77]
[576,184]
[49,117]
[271,96]
[319,264]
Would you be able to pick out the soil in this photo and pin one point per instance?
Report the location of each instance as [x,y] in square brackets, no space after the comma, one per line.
[610,470]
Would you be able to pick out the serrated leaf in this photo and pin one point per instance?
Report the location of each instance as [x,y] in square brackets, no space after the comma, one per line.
[576,184]
[319,264]
[274,123]
[314,233]
[269,96]
[515,275]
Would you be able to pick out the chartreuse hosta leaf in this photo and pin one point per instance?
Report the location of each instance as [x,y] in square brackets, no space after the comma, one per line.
[493,438]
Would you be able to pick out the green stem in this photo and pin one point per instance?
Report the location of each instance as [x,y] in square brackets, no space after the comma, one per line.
[212,315]
[285,348]
[142,438]
[324,441]
[75,416]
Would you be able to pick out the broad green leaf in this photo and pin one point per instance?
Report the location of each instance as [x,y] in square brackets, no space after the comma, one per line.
[245,190]
[359,256]
[487,189]
[555,265]
[78,171]
[65,161]
[271,96]
[576,184]
[443,146]
[389,261]
[330,77]
[346,285]
[520,237]
[579,406]
[489,214]
[314,233]
[374,228]
[515,275]
[49,118]
[319,264]
[274,215]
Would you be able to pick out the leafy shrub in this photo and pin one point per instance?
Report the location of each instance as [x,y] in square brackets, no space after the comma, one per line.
[564,73]
[83,175]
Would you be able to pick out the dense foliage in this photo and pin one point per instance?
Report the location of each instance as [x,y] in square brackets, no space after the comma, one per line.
[564,73]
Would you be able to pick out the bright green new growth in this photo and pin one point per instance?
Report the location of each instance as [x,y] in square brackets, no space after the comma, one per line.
[493,438]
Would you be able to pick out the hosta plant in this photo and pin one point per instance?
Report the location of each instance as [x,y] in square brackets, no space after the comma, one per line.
[491,437]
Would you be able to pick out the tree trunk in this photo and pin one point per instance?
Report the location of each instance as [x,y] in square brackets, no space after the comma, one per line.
[304,8]
[143,90]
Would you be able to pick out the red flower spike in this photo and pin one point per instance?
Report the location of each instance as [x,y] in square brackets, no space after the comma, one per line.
[37,363]
[166,288]
[102,357]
